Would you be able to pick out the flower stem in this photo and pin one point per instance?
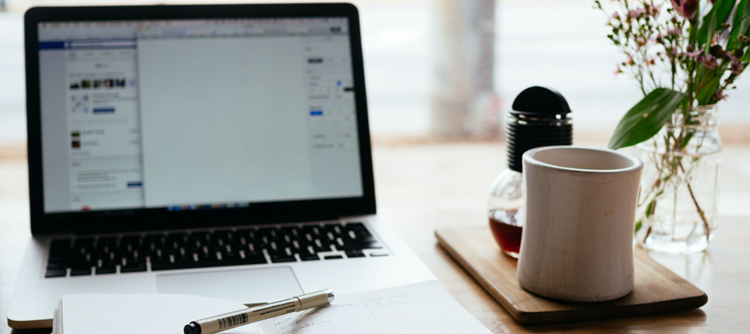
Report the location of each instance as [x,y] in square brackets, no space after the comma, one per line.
[706,226]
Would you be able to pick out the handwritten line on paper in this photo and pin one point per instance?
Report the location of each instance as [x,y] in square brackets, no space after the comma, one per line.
[390,300]
[421,307]
[294,323]
[368,307]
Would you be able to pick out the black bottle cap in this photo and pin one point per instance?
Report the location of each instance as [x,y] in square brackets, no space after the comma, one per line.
[540,100]
[539,118]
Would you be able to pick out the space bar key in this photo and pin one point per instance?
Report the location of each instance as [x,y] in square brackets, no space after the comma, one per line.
[206,264]
[157,266]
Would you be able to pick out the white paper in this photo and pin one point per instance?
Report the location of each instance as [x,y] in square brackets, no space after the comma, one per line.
[56,322]
[417,308]
[139,314]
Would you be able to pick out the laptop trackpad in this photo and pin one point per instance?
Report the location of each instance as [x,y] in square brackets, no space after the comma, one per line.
[247,286]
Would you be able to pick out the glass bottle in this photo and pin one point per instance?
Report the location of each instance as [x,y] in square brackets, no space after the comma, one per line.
[506,210]
[540,116]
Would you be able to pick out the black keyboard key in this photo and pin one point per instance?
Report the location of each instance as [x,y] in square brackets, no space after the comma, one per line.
[248,234]
[359,230]
[333,257]
[282,252]
[59,258]
[297,248]
[309,257]
[227,237]
[135,258]
[158,240]
[82,260]
[252,258]
[80,271]
[105,270]
[55,273]
[314,231]
[56,265]
[60,250]
[133,267]
[329,236]
[199,239]
[178,265]
[252,247]
[354,253]
[358,244]
[321,245]
[81,246]
[106,245]
[131,240]
[308,254]
[291,232]
[334,229]
[230,256]
[270,232]
[370,243]
[283,259]
[108,262]
[351,247]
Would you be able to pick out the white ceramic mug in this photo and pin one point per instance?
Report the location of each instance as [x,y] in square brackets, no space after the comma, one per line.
[577,242]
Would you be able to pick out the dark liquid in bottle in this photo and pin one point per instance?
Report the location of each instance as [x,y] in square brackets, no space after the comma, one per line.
[507,235]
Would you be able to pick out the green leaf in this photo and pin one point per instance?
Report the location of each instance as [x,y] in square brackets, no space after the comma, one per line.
[638,225]
[646,118]
[711,33]
[746,58]
[649,207]
[708,90]
[740,23]
[717,16]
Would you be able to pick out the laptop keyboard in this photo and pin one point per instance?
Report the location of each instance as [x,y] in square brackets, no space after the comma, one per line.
[84,256]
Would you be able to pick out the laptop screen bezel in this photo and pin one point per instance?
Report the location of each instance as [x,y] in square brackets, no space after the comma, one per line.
[142,219]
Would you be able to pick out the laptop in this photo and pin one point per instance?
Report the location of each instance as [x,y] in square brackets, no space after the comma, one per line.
[214,150]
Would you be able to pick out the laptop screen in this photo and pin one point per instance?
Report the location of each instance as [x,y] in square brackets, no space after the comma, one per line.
[196,114]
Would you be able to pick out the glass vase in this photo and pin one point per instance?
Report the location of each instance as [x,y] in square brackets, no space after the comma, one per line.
[680,183]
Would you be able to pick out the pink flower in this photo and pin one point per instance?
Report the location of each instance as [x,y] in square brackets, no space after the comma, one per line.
[737,68]
[685,8]
[710,62]
[636,13]
[729,55]
[616,16]
[655,11]
[674,32]
[692,53]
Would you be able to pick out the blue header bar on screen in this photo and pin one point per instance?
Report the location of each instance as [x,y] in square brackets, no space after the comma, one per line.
[88,44]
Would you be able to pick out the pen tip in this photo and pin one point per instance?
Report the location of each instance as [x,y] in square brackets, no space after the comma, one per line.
[331,297]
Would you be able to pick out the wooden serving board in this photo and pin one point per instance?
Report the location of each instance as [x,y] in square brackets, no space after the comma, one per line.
[657,290]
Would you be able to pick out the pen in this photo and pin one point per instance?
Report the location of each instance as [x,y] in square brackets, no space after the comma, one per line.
[238,318]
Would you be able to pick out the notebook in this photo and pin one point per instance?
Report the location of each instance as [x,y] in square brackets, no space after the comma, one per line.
[416,308]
